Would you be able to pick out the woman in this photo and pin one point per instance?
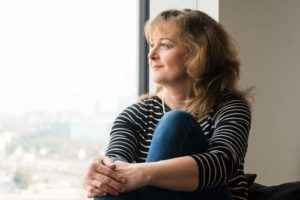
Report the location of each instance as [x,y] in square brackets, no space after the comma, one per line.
[189,139]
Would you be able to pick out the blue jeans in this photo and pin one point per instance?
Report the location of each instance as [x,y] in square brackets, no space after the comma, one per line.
[177,134]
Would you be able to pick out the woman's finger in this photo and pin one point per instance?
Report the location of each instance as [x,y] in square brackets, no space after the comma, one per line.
[93,184]
[102,186]
[104,170]
[93,191]
[96,189]
[111,182]
[97,167]
[108,162]
[109,190]
[97,179]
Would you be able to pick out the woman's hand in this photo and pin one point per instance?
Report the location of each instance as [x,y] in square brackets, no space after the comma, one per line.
[101,178]
[134,174]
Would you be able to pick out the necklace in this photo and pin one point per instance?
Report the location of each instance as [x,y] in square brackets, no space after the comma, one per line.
[163,104]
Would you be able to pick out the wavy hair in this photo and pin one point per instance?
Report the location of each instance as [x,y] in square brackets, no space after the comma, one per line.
[213,62]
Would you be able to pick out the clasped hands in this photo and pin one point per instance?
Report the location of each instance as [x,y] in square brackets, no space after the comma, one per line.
[106,177]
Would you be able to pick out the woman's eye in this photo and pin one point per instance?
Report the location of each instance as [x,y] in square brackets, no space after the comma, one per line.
[167,46]
[161,45]
[151,45]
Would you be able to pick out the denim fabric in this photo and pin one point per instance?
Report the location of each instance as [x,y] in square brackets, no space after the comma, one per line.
[177,134]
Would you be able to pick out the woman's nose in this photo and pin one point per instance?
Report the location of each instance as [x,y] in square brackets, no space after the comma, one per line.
[152,55]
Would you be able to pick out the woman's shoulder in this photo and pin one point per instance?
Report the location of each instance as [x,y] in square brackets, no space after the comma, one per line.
[230,97]
[146,103]
[150,99]
[232,103]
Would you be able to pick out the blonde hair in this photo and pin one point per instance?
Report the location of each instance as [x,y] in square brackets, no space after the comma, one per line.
[213,62]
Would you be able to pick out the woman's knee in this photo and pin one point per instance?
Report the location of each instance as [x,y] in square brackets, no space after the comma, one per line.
[173,123]
[176,120]
[176,117]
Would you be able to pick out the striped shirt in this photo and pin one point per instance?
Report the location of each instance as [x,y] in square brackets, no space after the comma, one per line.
[226,128]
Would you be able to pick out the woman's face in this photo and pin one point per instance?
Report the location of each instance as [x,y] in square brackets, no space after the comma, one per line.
[167,55]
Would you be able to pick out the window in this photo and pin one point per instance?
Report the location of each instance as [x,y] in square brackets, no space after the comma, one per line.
[68,67]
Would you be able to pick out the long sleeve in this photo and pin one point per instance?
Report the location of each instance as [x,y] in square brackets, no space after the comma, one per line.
[123,142]
[227,145]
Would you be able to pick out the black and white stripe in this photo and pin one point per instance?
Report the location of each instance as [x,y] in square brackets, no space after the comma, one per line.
[227,129]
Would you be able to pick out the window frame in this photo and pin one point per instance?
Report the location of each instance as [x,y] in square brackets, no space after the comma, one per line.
[143,66]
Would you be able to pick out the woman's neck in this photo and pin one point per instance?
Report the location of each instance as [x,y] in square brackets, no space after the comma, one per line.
[175,97]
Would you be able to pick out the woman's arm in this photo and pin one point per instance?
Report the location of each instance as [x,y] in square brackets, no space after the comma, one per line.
[175,174]
[227,149]
[100,177]
[123,136]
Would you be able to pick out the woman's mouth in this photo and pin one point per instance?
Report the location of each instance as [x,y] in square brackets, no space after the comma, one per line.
[157,66]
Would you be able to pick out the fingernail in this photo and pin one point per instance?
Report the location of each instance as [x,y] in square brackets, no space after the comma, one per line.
[112,166]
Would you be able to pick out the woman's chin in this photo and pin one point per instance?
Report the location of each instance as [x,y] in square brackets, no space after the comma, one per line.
[157,80]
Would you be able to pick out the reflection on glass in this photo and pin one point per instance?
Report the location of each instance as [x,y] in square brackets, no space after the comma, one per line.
[62,84]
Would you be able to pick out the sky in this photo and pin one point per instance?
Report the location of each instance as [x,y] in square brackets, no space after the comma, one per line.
[66,54]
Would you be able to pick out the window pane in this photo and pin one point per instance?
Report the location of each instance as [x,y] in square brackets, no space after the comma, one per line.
[68,67]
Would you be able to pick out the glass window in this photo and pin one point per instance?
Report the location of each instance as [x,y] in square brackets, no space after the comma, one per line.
[68,67]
